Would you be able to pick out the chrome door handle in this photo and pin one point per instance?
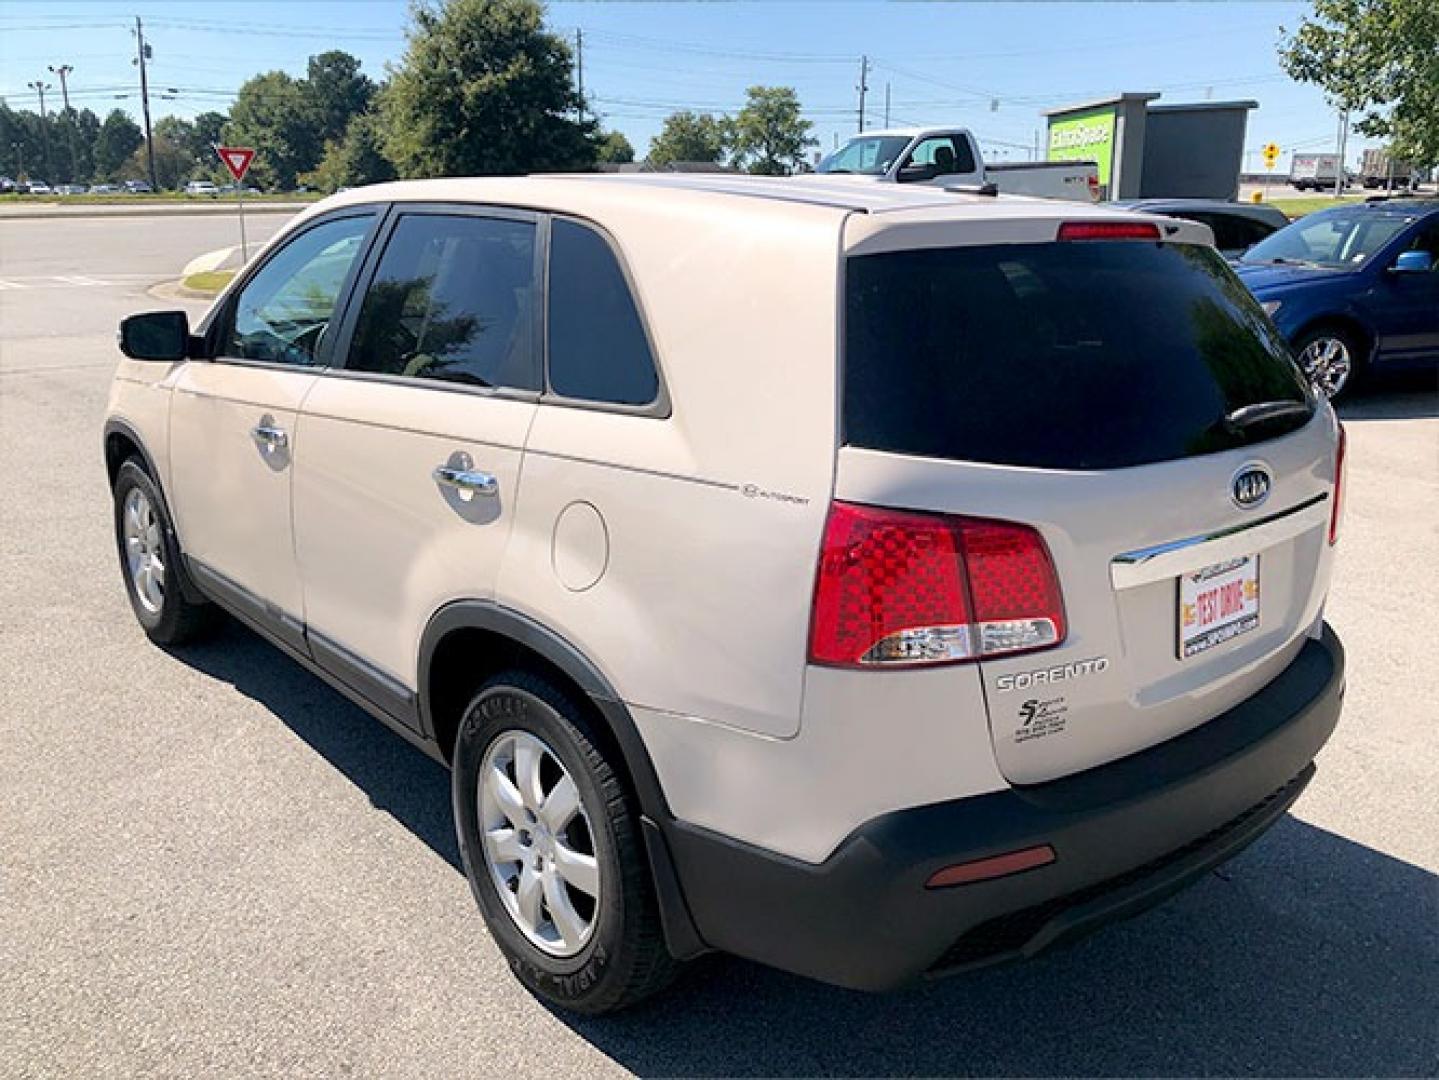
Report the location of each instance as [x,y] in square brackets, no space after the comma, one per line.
[274,438]
[471,480]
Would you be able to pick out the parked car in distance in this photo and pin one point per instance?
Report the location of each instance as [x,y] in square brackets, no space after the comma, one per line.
[1236,226]
[103,189]
[950,157]
[7,185]
[1354,288]
[842,577]
[138,187]
[71,189]
[38,187]
[201,187]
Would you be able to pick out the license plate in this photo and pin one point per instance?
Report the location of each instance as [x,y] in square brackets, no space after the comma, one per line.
[1217,604]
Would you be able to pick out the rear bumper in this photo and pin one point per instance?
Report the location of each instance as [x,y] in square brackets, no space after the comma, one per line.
[1126,835]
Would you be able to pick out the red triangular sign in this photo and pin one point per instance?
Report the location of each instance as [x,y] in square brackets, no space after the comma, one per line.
[237,159]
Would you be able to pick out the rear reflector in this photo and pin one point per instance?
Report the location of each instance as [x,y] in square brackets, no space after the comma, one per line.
[1013,862]
[1341,467]
[1108,230]
[900,588]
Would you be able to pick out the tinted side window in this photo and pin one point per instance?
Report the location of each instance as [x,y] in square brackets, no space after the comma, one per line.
[452,299]
[283,311]
[598,349]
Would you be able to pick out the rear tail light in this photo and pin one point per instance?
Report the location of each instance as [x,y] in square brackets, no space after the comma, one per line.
[899,588]
[1108,230]
[1094,187]
[1341,466]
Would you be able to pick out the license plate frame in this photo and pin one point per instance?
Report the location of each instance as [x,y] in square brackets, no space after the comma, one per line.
[1216,604]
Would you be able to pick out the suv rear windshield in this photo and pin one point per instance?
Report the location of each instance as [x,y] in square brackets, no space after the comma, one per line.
[1079,355]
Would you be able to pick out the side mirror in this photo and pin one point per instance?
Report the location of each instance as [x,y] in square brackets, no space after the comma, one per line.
[156,335]
[1413,262]
[916,174]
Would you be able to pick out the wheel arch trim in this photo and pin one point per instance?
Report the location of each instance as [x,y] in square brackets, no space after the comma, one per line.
[681,936]
[116,426]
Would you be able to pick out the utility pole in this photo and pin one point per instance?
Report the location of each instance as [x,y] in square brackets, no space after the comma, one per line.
[63,71]
[886,104]
[1343,139]
[18,149]
[863,86]
[142,54]
[580,68]
[40,86]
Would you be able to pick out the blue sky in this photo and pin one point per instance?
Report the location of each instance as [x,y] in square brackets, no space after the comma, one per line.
[989,66]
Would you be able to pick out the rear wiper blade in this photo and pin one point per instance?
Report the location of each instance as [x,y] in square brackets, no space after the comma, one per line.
[1264,411]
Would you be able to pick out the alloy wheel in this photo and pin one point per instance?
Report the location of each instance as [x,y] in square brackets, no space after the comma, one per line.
[538,844]
[1328,365]
[144,550]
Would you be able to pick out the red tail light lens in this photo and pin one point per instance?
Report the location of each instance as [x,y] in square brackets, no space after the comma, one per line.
[1341,467]
[1108,230]
[903,588]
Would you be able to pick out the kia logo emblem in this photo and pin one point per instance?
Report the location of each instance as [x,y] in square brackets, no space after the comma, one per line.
[1250,486]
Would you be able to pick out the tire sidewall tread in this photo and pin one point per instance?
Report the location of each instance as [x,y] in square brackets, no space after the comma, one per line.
[625,959]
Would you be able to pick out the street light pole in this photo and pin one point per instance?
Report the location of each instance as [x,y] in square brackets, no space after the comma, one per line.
[863,86]
[40,86]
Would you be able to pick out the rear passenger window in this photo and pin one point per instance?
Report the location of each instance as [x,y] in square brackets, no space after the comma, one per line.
[453,299]
[597,343]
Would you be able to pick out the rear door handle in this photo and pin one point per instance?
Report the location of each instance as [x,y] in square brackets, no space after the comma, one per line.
[273,438]
[471,480]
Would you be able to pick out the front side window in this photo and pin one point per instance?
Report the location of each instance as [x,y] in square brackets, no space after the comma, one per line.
[945,155]
[453,299]
[283,312]
[598,348]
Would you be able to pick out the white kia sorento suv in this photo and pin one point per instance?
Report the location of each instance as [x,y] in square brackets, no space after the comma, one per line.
[873,583]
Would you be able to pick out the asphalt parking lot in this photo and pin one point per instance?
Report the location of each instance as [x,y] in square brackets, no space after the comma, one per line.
[211,864]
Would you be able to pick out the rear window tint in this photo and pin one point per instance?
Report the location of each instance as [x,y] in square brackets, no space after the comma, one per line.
[1081,355]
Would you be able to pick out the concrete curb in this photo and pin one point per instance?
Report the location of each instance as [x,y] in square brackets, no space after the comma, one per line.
[47,212]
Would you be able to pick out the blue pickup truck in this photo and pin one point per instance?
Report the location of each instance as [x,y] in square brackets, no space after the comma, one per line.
[1354,289]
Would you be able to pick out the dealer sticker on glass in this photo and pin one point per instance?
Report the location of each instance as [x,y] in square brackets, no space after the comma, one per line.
[1217,604]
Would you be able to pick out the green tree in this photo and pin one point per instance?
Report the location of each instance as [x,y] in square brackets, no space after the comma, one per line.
[119,137]
[1379,58]
[614,149]
[197,139]
[770,137]
[483,88]
[337,92]
[173,166]
[355,159]
[272,114]
[690,136]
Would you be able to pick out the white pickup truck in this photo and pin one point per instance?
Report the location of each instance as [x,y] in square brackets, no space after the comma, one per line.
[950,157]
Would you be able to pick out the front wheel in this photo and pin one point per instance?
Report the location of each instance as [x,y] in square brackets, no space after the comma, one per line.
[150,561]
[553,851]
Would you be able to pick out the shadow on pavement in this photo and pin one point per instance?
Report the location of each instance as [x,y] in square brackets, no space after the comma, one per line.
[1308,955]
[1407,396]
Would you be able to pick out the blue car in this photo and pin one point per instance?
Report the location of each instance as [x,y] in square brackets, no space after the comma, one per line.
[1353,289]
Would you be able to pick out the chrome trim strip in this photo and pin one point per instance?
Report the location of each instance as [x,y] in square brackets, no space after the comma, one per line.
[1134,568]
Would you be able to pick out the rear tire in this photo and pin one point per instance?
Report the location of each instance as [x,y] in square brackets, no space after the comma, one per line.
[1333,358]
[150,562]
[562,880]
